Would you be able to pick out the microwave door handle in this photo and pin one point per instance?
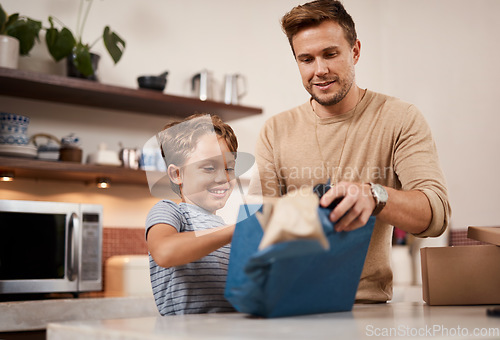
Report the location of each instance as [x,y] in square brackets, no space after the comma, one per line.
[72,230]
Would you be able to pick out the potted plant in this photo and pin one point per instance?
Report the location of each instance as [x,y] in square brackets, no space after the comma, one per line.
[62,43]
[18,35]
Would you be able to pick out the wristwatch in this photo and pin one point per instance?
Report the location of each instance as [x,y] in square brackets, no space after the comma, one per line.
[380,195]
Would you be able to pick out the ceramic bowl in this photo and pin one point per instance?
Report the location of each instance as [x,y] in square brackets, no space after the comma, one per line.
[152,82]
[13,129]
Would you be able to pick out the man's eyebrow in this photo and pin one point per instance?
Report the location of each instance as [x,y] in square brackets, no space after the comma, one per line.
[334,47]
[326,49]
[303,55]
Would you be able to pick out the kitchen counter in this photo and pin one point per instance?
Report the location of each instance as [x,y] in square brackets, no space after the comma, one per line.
[391,320]
[35,315]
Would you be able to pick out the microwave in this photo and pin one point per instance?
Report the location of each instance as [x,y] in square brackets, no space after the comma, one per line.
[50,247]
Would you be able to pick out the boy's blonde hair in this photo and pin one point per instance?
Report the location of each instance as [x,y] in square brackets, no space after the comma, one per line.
[178,139]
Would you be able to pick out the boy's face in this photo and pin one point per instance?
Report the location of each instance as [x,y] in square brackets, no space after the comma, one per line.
[208,176]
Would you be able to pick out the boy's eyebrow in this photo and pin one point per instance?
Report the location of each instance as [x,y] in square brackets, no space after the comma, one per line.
[212,160]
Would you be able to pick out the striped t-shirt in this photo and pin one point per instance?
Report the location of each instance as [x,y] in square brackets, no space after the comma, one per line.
[196,287]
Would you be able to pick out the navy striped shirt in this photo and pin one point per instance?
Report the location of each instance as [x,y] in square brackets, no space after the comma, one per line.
[196,287]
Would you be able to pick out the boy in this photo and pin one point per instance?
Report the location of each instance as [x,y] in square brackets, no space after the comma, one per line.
[188,244]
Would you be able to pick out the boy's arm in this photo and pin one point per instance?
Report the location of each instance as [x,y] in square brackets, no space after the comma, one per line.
[170,248]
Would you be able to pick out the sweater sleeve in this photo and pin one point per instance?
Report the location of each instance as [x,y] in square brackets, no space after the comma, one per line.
[265,180]
[417,166]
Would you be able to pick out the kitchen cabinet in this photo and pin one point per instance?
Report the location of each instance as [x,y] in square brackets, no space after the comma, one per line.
[65,90]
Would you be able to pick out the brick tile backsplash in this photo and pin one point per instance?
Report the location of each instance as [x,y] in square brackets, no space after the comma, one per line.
[459,238]
[123,241]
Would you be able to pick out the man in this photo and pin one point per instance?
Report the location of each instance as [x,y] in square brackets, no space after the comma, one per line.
[377,150]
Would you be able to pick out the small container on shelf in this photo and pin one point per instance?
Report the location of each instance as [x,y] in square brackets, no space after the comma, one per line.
[103,156]
[50,150]
[70,152]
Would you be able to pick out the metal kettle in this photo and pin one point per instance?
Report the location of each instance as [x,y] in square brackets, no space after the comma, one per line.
[235,87]
[129,157]
[201,85]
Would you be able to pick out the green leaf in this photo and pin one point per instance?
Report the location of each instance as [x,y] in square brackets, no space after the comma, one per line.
[59,43]
[26,31]
[11,20]
[82,60]
[114,44]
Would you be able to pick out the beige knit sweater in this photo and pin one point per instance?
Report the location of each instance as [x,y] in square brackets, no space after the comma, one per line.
[383,140]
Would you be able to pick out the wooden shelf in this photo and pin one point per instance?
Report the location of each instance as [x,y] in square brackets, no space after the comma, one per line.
[53,88]
[70,171]
[58,89]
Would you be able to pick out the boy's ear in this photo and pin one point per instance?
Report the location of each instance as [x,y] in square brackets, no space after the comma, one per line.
[174,173]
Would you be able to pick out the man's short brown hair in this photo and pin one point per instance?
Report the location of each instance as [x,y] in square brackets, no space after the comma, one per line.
[314,13]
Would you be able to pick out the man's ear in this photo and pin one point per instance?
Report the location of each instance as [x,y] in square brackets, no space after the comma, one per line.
[356,51]
[174,173]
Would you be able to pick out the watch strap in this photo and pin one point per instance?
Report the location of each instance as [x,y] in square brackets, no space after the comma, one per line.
[378,208]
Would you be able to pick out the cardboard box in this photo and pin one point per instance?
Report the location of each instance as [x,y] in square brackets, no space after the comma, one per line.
[485,234]
[463,275]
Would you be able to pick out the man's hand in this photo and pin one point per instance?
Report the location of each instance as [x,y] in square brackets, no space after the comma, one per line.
[355,208]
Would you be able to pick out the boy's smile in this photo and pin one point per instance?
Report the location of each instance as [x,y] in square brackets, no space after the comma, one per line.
[218,193]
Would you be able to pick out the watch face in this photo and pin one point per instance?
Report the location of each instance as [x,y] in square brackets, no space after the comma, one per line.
[380,192]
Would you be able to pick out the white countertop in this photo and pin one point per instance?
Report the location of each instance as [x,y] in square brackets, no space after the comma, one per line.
[36,314]
[396,320]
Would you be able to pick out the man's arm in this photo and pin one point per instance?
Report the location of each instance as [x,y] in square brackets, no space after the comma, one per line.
[170,248]
[408,210]
[421,206]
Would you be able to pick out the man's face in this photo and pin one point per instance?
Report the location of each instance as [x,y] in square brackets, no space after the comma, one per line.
[208,176]
[326,62]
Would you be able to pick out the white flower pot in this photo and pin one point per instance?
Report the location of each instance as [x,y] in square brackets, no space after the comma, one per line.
[9,51]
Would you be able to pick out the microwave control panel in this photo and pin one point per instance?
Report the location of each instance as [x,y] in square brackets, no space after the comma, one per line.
[91,247]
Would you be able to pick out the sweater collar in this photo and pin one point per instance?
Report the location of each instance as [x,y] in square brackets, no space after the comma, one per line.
[358,109]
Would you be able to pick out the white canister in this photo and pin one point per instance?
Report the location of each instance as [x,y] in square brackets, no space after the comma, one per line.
[127,275]
[9,51]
